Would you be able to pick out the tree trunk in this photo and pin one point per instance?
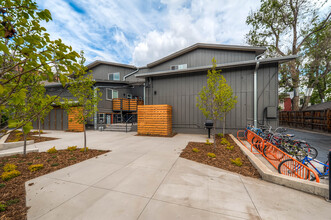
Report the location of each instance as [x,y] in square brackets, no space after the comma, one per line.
[295,82]
[305,103]
[295,103]
[84,138]
[39,126]
[224,126]
[24,145]
[214,128]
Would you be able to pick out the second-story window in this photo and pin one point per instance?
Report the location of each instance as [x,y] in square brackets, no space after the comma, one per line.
[114,76]
[111,94]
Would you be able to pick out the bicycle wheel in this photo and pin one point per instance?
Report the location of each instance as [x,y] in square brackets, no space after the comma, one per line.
[290,168]
[311,151]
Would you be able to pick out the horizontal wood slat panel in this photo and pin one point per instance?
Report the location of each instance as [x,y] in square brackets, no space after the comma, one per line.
[155,120]
[121,104]
[73,125]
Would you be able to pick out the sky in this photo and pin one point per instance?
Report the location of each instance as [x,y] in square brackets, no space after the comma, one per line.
[139,32]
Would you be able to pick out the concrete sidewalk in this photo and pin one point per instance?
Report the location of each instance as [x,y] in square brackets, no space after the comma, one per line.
[143,178]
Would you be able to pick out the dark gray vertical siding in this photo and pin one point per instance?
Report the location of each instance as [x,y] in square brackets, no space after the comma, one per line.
[59,119]
[65,120]
[203,57]
[101,71]
[105,106]
[181,91]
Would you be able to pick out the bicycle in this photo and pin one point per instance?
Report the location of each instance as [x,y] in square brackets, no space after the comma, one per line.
[295,148]
[289,166]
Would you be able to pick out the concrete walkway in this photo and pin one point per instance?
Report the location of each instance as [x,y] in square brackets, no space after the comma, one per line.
[143,178]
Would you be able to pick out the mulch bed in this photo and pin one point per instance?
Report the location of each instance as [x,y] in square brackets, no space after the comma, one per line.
[18,136]
[223,157]
[12,192]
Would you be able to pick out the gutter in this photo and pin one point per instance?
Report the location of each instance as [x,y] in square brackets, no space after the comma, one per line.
[130,74]
[219,66]
[255,89]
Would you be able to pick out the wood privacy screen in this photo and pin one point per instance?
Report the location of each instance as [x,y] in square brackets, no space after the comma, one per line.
[155,120]
[73,125]
[121,104]
[320,119]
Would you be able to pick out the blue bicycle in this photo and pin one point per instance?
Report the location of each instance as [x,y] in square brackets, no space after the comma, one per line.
[289,166]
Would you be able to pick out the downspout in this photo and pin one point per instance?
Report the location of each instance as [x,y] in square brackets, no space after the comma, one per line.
[130,74]
[255,89]
[144,93]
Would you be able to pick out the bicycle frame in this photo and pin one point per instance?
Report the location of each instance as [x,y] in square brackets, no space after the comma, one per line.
[308,160]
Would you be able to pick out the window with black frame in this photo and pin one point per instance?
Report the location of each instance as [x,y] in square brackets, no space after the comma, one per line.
[114,76]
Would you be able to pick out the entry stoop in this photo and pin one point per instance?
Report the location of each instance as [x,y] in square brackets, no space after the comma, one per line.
[121,127]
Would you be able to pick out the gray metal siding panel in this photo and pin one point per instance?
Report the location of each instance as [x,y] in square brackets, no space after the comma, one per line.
[203,57]
[101,71]
[181,91]
[65,120]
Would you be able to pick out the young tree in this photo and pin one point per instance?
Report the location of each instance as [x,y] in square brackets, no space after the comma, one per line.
[86,97]
[216,99]
[284,26]
[27,55]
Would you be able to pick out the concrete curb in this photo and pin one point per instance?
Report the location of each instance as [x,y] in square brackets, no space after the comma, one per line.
[4,146]
[294,183]
[4,138]
[18,152]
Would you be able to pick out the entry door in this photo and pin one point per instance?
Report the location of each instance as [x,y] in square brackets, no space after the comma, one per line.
[108,119]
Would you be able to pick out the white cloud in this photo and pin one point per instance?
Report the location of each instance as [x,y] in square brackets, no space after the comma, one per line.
[140,32]
[205,21]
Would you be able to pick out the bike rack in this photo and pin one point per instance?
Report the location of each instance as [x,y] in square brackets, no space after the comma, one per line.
[275,156]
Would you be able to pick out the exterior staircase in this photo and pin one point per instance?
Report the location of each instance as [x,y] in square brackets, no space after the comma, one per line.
[121,127]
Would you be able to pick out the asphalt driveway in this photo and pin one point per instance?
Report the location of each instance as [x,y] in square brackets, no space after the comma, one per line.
[143,178]
[321,141]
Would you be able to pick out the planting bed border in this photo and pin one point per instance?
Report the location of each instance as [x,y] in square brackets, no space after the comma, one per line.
[318,189]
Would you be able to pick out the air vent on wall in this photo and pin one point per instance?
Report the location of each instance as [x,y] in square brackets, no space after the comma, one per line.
[178,67]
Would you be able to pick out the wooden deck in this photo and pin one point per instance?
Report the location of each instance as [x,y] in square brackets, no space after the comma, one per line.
[127,105]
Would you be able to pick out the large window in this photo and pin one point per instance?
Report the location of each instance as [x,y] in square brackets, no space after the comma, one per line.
[114,76]
[111,94]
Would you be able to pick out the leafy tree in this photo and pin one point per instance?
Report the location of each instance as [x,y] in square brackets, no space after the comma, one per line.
[27,59]
[318,63]
[216,99]
[85,97]
[284,26]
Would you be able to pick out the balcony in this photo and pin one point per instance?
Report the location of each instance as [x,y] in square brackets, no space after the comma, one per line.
[126,105]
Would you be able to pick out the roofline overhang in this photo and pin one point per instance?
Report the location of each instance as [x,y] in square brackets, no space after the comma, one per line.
[98,62]
[257,50]
[220,66]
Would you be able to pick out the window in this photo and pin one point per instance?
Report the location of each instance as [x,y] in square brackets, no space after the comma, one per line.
[111,94]
[114,76]
[178,67]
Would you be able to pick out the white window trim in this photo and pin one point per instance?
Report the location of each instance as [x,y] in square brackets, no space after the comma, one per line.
[119,78]
[112,93]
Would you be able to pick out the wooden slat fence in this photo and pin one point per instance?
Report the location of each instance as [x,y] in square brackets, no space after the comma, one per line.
[121,104]
[155,120]
[318,119]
